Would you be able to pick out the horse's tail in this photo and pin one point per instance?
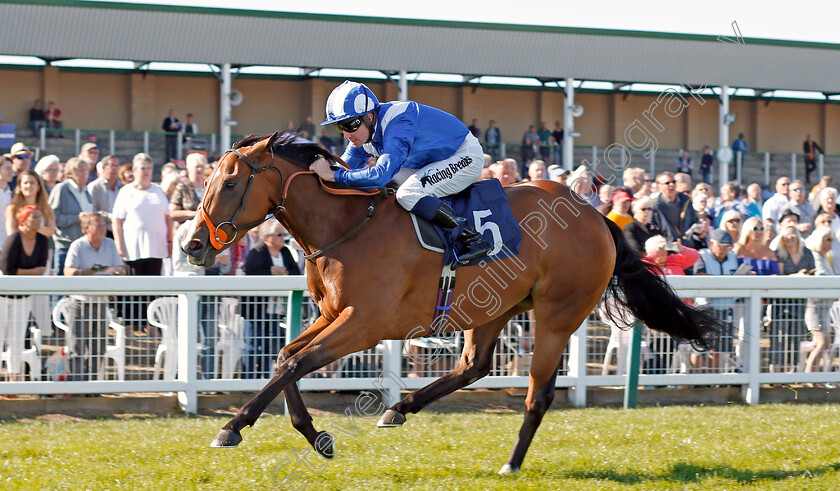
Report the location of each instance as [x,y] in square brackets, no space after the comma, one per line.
[650,299]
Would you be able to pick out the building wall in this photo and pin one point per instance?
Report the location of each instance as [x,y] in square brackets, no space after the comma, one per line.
[122,101]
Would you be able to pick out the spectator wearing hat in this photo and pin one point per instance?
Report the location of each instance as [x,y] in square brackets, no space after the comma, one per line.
[718,260]
[558,174]
[37,118]
[620,212]
[69,199]
[105,188]
[789,216]
[171,126]
[54,120]
[90,153]
[21,160]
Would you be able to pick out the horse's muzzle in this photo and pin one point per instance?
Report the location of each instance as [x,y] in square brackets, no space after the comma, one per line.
[198,250]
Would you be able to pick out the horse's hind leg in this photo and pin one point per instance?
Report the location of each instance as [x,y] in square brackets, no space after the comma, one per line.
[475,363]
[544,365]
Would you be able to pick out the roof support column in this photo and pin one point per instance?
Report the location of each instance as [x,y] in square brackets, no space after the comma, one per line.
[723,129]
[403,85]
[224,113]
[569,125]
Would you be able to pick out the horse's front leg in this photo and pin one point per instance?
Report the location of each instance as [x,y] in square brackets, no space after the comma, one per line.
[301,420]
[347,334]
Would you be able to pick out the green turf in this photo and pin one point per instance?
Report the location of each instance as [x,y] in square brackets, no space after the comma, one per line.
[764,447]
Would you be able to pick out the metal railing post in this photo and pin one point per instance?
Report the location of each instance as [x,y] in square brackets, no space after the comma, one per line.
[739,165]
[212,144]
[391,367]
[577,365]
[652,163]
[502,151]
[77,134]
[146,142]
[821,165]
[188,351]
[112,137]
[792,166]
[594,154]
[752,340]
[294,324]
[179,146]
[631,390]
[766,168]
[42,137]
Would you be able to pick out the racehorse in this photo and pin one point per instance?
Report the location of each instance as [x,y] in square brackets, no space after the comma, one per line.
[372,280]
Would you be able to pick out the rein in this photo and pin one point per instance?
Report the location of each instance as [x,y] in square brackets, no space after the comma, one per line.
[219,238]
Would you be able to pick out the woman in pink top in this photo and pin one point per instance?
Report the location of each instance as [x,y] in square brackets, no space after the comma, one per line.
[671,263]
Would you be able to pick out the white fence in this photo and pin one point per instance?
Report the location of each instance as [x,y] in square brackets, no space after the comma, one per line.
[768,344]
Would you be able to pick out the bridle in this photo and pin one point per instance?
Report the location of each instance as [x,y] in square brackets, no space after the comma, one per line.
[218,237]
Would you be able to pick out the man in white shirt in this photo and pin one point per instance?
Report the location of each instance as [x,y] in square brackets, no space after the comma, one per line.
[774,205]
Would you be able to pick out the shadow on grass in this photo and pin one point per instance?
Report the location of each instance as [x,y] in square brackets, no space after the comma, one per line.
[689,473]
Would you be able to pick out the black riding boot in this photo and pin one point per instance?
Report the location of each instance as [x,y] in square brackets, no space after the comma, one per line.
[470,244]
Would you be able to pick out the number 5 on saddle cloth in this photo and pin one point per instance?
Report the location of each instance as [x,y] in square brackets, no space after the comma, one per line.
[485,204]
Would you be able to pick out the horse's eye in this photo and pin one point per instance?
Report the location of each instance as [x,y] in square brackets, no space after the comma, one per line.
[230,184]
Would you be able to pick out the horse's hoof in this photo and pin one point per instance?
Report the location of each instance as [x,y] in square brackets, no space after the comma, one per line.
[226,439]
[324,445]
[390,419]
[507,470]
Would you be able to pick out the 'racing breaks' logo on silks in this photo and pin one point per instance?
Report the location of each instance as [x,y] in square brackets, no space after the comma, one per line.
[434,177]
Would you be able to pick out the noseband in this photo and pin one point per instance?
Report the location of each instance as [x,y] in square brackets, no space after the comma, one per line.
[218,237]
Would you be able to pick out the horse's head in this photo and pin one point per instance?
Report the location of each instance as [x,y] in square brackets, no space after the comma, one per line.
[237,197]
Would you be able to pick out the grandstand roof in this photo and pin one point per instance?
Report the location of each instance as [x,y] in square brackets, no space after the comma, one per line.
[62,29]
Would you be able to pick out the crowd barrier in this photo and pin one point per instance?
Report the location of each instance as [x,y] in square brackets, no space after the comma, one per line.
[188,335]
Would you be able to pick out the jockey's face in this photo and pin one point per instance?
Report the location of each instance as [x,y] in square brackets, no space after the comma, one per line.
[361,135]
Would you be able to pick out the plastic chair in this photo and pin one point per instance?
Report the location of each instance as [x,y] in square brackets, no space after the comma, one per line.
[64,318]
[231,338]
[30,356]
[163,314]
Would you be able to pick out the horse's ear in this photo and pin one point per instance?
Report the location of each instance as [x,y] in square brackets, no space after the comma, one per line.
[271,139]
[289,126]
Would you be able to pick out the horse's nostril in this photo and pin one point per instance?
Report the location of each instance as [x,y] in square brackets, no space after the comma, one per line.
[195,245]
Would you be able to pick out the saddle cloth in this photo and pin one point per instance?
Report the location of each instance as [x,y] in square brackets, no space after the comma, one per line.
[486,206]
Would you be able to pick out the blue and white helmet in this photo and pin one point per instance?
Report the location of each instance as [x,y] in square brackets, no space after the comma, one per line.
[349,100]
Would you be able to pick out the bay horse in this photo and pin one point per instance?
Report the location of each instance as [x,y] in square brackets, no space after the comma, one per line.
[378,283]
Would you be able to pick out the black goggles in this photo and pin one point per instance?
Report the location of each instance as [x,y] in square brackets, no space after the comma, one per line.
[350,125]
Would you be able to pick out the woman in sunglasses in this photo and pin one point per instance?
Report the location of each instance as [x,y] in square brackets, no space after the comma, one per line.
[641,228]
[751,249]
[429,153]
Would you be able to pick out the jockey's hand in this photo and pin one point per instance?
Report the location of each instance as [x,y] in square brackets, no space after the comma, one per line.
[322,168]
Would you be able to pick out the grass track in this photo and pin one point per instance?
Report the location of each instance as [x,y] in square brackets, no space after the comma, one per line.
[765,447]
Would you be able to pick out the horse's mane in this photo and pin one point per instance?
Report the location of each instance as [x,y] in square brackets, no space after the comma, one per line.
[291,147]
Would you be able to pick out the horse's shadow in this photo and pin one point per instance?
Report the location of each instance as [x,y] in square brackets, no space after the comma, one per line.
[686,473]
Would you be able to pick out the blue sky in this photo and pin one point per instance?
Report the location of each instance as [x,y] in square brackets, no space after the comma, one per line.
[802,21]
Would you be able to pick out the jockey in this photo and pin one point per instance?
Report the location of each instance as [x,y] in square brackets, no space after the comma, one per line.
[428,152]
